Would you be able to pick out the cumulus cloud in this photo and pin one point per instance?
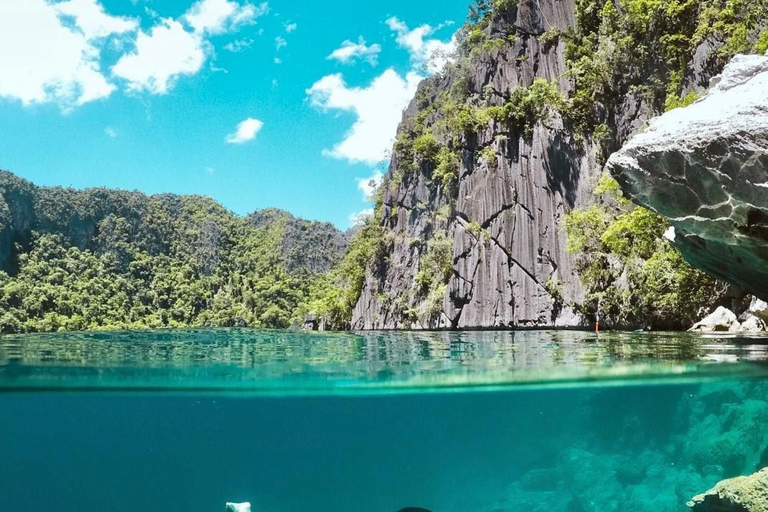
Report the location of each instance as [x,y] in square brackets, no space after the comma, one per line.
[349,52]
[92,21]
[111,132]
[220,16]
[378,108]
[161,55]
[427,53]
[170,50]
[246,130]
[51,53]
[280,42]
[290,27]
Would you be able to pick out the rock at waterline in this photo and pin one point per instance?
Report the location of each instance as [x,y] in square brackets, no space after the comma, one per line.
[740,494]
[239,507]
[722,319]
[705,168]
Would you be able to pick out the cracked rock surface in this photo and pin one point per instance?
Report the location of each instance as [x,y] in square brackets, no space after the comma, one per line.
[705,168]
[515,272]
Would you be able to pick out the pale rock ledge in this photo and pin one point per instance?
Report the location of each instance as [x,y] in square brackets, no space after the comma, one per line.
[705,168]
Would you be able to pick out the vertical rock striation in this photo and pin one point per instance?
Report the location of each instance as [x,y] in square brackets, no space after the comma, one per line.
[513,271]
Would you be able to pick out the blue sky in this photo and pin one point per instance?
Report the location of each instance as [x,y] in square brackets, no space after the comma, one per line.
[286,104]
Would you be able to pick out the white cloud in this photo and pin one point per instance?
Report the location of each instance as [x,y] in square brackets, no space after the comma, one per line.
[161,55]
[290,27]
[245,131]
[43,59]
[92,21]
[428,54]
[238,45]
[210,171]
[278,60]
[111,132]
[280,42]
[220,16]
[349,52]
[369,185]
[378,108]
[359,218]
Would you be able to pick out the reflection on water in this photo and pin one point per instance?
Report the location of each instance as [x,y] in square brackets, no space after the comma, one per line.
[302,362]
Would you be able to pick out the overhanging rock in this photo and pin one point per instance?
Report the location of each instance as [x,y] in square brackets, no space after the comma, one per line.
[705,168]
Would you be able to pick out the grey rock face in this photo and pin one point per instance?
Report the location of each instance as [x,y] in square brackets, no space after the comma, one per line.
[740,494]
[705,168]
[516,273]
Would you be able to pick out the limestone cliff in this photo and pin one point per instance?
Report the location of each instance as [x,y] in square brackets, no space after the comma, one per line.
[497,149]
[504,274]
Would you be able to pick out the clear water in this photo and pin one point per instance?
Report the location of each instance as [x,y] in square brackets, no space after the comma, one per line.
[305,422]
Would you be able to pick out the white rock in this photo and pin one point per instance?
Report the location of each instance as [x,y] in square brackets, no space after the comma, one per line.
[239,507]
[759,308]
[722,319]
[705,168]
[752,324]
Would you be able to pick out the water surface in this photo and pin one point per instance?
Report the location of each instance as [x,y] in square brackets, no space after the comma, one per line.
[311,422]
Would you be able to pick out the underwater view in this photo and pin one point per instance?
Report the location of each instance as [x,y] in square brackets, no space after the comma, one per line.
[375,422]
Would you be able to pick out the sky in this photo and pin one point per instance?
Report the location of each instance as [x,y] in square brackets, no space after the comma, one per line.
[287,104]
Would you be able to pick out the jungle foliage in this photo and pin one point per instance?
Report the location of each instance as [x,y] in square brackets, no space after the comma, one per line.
[108,259]
[632,275]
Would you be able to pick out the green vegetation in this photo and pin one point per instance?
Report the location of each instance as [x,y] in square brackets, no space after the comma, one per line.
[435,269]
[106,259]
[528,106]
[645,47]
[336,296]
[630,271]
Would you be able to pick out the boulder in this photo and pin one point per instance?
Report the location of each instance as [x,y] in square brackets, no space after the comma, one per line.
[705,168]
[740,494]
[239,507]
[722,319]
[758,308]
[752,324]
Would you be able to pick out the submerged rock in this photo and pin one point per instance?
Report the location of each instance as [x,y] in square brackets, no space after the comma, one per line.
[239,507]
[740,494]
[705,168]
[722,319]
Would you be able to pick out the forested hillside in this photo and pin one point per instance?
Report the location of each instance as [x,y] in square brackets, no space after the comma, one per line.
[109,259]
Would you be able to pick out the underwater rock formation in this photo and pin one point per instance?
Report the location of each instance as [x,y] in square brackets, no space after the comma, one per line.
[705,168]
[239,507]
[740,494]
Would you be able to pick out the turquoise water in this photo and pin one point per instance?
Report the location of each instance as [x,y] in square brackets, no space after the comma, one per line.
[454,422]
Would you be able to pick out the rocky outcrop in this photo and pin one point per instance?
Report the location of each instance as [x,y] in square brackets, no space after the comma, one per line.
[740,494]
[722,319]
[705,168]
[510,267]
[239,507]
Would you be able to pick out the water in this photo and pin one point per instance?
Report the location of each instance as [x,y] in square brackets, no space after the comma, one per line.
[454,422]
